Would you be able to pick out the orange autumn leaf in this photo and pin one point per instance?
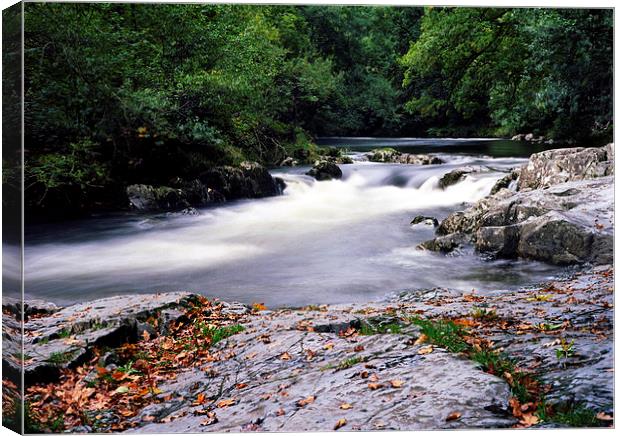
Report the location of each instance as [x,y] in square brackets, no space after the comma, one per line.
[374,386]
[346,406]
[397,383]
[425,350]
[340,423]
[259,306]
[453,416]
[306,401]
[226,403]
[285,356]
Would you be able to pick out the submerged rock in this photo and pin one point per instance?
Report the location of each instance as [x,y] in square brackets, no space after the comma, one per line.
[325,170]
[507,181]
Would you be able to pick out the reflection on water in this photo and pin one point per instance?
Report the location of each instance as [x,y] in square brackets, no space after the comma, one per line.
[472,146]
[321,242]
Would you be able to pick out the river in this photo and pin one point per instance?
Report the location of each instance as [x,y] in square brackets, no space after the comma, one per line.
[321,242]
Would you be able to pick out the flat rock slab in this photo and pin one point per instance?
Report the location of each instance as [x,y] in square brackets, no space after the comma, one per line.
[383,381]
[66,337]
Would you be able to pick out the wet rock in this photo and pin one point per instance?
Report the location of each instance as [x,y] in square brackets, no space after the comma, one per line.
[289,162]
[325,170]
[390,155]
[197,193]
[562,165]
[153,198]
[447,243]
[248,180]
[428,220]
[506,182]
[455,176]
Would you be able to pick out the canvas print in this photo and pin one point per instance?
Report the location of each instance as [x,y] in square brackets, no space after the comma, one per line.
[262,218]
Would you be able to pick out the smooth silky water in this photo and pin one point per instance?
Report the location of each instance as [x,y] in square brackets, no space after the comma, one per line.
[321,242]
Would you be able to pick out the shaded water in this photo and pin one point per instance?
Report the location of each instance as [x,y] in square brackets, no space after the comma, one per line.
[320,242]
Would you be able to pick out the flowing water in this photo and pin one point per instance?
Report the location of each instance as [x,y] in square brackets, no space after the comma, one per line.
[320,242]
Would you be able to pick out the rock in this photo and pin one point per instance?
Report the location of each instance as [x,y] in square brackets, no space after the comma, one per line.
[248,180]
[562,165]
[32,307]
[455,176]
[289,162]
[568,223]
[518,137]
[323,364]
[66,337]
[446,244]
[383,155]
[151,198]
[197,193]
[325,170]
[390,155]
[529,137]
[428,220]
[506,182]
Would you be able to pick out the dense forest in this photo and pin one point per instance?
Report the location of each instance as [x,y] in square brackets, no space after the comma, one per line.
[130,93]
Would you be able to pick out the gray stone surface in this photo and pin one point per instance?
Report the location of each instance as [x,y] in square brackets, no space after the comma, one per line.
[66,337]
[562,165]
[387,155]
[561,222]
[279,361]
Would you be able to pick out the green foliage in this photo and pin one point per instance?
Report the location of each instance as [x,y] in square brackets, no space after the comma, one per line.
[442,333]
[60,357]
[577,415]
[542,70]
[140,93]
[218,334]
[369,327]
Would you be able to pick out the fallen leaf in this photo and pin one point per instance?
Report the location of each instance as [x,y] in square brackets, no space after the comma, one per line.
[423,338]
[285,356]
[226,403]
[529,420]
[346,406]
[306,401]
[358,348]
[145,335]
[604,417]
[397,383]
[200,399]
[341,423]
[259,306]
[241,385]
[328,346]
[280,412]
[426,350]
[374,386]
[453,416]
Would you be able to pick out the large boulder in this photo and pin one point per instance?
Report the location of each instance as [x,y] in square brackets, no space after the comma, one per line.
[325,170]
[197,193]
[562,212]
[248,180]
[569,223]
[154,198]
[562,165]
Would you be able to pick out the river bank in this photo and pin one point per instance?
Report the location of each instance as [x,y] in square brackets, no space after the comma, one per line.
[423,360]
[429,357]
